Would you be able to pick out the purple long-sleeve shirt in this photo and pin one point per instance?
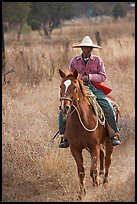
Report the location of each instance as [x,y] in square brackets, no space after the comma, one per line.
[94,68]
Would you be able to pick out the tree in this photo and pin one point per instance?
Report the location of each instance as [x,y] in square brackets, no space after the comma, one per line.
[49,14]
[3,54]
[91,9]
[15,13]
[118,11]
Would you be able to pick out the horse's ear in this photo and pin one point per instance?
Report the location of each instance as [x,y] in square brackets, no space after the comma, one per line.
[75,73]
[62,74]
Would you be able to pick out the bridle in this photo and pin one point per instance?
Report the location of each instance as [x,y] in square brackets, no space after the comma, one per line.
[64,98]
[68,99]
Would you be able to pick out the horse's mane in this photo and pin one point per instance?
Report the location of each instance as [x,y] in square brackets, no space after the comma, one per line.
[69,74]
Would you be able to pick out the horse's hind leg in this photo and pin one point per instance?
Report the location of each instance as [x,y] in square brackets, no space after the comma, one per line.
[108,158]
[81,172]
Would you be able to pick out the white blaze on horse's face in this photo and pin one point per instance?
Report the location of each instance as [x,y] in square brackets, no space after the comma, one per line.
[67,84]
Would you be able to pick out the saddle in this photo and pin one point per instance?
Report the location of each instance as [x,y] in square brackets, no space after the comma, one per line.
[92,100]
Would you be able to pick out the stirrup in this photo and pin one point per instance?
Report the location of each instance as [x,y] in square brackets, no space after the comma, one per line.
[64,143]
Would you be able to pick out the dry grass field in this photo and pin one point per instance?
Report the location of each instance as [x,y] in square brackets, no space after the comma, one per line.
[33,167]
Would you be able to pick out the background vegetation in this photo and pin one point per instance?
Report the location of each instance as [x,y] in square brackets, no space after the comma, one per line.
[49,15]
[33,167]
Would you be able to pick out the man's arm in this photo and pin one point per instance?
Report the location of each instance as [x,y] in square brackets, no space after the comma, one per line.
[72,65]
[100,76]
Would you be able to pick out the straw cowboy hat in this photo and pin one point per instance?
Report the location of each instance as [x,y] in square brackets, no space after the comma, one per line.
[86,42]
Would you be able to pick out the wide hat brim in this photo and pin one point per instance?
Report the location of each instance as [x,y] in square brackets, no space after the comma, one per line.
[86,45]
[86,42]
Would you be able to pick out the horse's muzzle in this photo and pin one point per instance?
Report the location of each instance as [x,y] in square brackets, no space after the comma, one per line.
[65,109]
[65,105]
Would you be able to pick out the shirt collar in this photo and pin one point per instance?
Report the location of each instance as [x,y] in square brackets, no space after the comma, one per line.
[80,57]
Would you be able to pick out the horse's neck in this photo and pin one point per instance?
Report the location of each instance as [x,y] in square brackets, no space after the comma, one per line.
[84,113]
[85,107]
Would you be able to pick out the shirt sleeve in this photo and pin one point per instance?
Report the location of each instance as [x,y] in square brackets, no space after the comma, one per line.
[72,65]
[100,76]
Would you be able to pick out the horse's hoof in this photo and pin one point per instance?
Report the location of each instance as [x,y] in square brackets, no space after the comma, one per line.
[83,192]
[105,180]
[101,172]
[96,183]
[81,195]
[79,198]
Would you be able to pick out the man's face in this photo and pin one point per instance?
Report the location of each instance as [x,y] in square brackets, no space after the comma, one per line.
[86,49]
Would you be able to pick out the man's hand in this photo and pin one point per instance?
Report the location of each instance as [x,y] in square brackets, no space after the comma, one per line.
[85,78]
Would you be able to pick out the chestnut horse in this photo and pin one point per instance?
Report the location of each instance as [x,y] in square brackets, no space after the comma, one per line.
[83,130]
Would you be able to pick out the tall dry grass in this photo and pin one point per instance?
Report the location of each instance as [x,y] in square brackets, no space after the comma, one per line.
[34,168]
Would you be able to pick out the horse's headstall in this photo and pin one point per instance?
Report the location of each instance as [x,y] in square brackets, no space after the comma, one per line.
[64,98]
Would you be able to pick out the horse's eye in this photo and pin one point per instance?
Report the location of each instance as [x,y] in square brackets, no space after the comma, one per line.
[75,89]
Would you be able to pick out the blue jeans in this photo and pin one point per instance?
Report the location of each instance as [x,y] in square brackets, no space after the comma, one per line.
[61,123]
[105,105]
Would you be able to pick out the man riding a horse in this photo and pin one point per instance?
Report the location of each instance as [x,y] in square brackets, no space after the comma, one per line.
[92,72]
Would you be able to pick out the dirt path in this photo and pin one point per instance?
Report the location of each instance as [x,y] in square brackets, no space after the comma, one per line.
[63,188]
[121,186]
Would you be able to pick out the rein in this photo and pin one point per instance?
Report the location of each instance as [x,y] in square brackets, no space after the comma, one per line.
[92,101]
[87,129]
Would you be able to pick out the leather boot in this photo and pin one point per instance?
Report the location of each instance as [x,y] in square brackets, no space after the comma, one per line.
[114,136]
[115,139]
[63,143]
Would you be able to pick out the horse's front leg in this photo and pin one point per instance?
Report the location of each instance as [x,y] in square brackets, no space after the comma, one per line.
[102,160]
[94,171]
[77,154]
[108,158]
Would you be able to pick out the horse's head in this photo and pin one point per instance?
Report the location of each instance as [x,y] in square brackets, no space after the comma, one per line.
[69,89]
